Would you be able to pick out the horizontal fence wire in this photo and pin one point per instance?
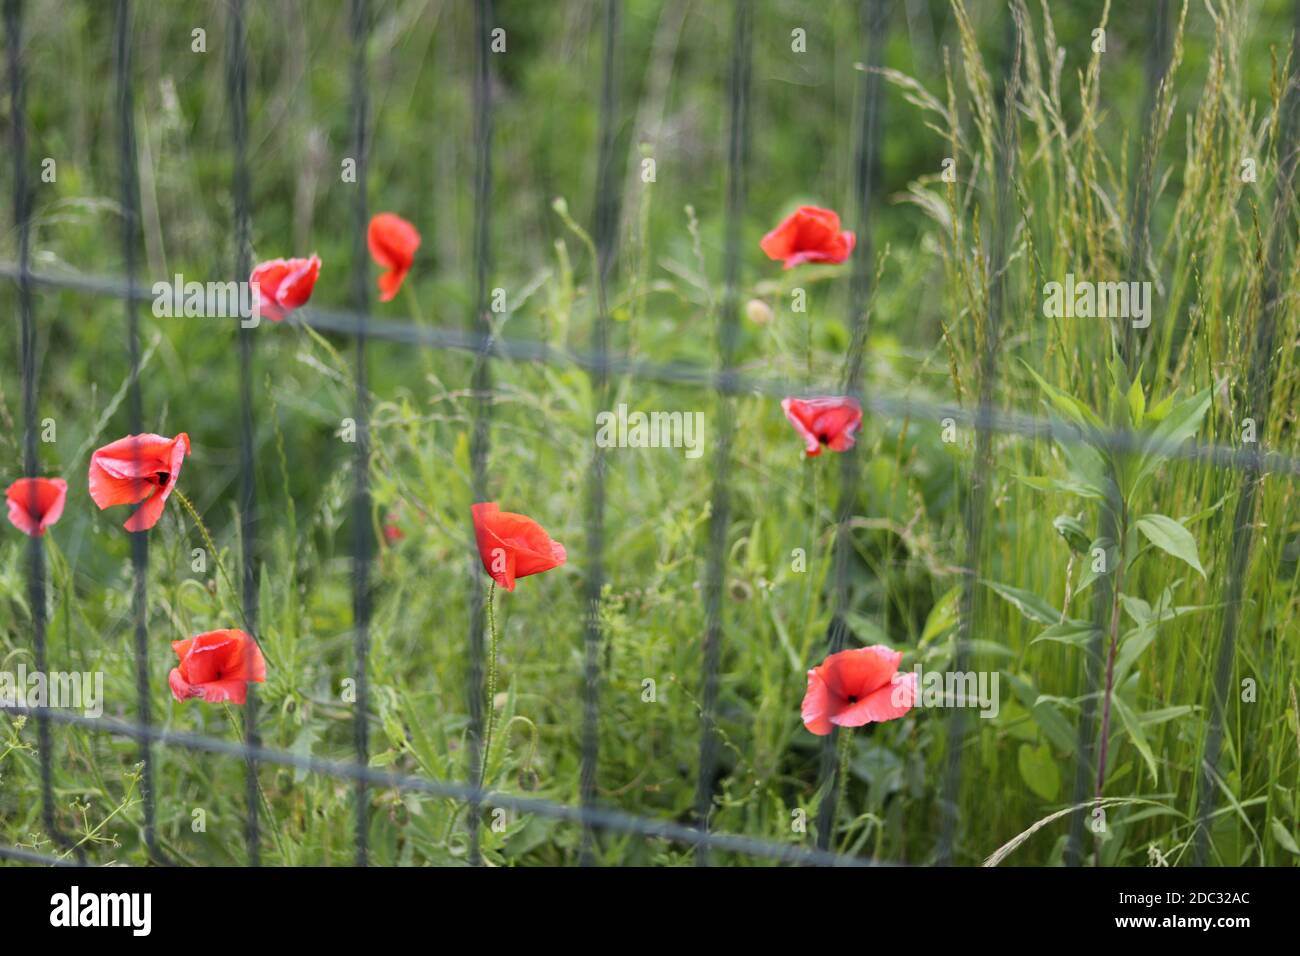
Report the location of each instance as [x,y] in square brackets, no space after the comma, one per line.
[605,819]
[736,381]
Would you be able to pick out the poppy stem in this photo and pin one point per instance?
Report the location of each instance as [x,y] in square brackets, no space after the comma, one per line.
[409,289]
[216,557]
[491,681]
[342,366]
[842,775]
[207,538]
[266,804]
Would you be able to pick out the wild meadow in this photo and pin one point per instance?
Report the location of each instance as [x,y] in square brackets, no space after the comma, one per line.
[1029,157]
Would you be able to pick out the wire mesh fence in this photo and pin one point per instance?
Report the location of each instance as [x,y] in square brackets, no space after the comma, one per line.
[478,341]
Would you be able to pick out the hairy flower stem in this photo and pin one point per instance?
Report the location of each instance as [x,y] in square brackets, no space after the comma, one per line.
[491,681]
[842,775]
[266,804]
[207,538]
[216,555]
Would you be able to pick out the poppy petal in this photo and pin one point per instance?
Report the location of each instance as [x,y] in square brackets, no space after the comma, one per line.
[886,703]
[816,706]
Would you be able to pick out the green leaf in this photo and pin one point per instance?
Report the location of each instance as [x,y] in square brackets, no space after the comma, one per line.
[1069,406]
[1137,402]
[1283,836]
[1150,718]
[1057,728]
[1137,609]
[942,616]
[1027,603]
[1038,770]
[1068,486]
[1171,537]
[1130,649]
[1071,529]
[1049,719]
[1179,424]
[1070,631]
[866,630]
[1134,728]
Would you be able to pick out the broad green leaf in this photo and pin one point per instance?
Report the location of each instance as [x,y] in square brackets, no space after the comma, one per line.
[1017,721]
[867,630]
[1134,729]
[1130,649]
[1137,609]
[1150,718]
[1071,529]
[942,616]
[1051,721]
[1038,770]
[1090,573]
[1086,467]
[1137,402]
[1071,631]
[1054,724]
[989,647]
[1171,537]
[1283,836]
[1067,485]
[1069,406]
[1027,603]
[1181,423]
[1158,411]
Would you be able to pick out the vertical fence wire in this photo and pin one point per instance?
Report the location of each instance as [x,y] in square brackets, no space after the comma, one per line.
[237,75]
[728,320]
[362,542]
[605,231]
[36,573]
[977,500]
[1259,387]
[130,200]
[481,386]
[872,20]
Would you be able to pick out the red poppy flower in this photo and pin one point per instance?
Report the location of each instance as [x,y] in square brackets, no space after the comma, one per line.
[36,503]
[282,285]
[216,666]
[138,468]
[513,546]
[824,421]
[809,234]
[392,242]
[857,687]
